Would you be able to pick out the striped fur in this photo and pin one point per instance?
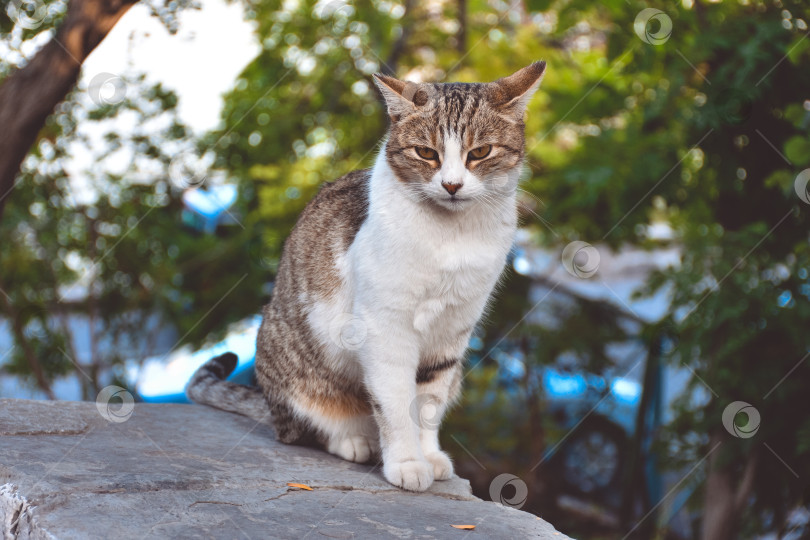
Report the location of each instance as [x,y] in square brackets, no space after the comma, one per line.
[209,387]
[383,279]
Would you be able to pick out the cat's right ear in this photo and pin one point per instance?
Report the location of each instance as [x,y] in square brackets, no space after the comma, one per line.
[514,92]
[401,98]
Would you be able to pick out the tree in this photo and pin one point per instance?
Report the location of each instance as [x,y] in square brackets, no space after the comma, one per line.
[101,253]
[639,122]
[29,94]
[694,116]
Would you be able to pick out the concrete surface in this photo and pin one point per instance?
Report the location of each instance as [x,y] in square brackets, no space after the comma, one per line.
[194,472]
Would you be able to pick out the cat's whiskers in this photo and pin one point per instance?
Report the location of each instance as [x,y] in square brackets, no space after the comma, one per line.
[414,193]
[487,202]
[532,195]
[491,202]
[364,315]
[532,212]
[541,219]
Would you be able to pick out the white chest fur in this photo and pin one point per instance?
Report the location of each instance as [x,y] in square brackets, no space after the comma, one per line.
[428,268]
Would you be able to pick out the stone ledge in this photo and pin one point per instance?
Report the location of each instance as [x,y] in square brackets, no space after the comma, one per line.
[191,471]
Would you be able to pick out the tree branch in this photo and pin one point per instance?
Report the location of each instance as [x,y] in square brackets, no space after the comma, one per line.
[30,356]
[461,35]
[399,45]
[29,95]
[746,483]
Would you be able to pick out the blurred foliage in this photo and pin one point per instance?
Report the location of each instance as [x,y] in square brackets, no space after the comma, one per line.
[623,134]
[106,242]
[25,25]
[95,236]
[705,131]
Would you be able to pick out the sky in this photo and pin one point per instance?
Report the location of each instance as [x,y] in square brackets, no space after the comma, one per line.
[200,63]
[197,62]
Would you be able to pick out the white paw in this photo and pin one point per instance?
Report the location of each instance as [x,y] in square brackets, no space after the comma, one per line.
[354,448]
[442,466]
[411,475]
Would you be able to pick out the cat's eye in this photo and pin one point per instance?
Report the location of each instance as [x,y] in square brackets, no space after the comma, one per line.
[427,153]
[481,152]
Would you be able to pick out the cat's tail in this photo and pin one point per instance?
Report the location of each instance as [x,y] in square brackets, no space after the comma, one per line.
[209,387]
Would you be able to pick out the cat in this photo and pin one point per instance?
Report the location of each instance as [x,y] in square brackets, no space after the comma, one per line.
[383,279]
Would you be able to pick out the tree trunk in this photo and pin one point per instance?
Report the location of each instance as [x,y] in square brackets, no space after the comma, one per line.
[398,49]
[30,94]
[461,35]
[540,495]
[17,327]
[726,496]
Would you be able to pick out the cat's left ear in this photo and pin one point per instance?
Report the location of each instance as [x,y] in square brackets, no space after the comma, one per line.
[515,91]
[401,98]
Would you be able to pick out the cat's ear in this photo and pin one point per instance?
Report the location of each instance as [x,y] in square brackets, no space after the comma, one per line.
[514,92]
[401,98]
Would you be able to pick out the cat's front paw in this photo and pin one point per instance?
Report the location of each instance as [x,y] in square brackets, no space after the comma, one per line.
[353,448]
[412,475]
[442,466]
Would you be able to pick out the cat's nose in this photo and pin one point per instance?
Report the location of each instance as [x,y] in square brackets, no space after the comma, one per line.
[451,188]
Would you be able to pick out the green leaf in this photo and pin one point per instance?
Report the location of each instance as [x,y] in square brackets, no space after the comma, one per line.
[797,150]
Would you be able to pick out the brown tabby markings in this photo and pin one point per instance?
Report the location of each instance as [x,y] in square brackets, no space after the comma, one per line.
[316,243]
[429,369]
[291,365]
[335,406]
[289,361]
[463,108]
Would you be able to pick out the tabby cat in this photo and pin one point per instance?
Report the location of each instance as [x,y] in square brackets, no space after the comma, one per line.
[383,279]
